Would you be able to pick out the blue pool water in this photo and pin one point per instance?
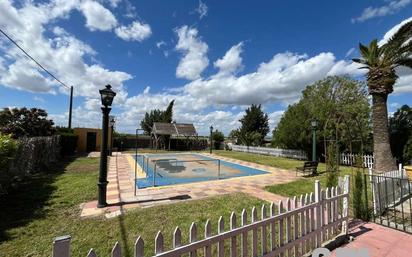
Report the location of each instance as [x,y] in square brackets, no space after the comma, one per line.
[174,169]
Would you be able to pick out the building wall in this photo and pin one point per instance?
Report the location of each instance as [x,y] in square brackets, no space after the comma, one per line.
[82,138]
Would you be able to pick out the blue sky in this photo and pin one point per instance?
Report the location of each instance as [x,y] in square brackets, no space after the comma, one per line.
[213,57]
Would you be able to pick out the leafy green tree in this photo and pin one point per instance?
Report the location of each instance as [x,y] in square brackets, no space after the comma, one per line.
[381,62]
[157,116]
[8,148]
[340,104]
[23,122]
[400,127]
[407,151]
[254,125]
[217,138]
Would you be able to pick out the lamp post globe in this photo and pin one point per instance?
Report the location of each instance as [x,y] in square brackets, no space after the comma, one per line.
[314,124]
[106,95]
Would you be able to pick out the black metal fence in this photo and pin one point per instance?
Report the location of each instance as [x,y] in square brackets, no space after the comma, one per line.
[390,200]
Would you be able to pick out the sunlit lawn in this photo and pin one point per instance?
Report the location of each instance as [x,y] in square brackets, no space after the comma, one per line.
[47,205]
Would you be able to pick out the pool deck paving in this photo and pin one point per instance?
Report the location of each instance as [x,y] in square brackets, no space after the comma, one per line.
[120,190]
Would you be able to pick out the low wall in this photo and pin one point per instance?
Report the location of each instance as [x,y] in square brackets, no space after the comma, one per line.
[293,154]
[34,154]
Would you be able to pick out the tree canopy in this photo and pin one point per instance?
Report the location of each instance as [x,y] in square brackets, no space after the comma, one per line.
[400,127]
[339,104]
[254,126]
[157,115]
[20,122]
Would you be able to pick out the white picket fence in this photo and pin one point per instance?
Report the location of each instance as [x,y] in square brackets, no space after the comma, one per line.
[307,222]
[294,154]
[350,159]
[389,188]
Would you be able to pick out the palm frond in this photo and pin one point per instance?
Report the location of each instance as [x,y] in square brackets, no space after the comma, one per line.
[364,51]
[405,62]
[403,34]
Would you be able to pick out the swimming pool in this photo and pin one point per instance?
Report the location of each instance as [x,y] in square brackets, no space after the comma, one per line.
[170,169]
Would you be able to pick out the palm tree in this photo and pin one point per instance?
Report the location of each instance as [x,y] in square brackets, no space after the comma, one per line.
[381,62]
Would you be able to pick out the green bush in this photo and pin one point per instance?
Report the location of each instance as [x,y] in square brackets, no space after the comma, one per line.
[8,148]
[332,166]
[407,151]
[68,143]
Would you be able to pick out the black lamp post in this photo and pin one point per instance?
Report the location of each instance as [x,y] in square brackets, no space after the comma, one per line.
[211,143]
[107,96]
[112,121]
[314,124]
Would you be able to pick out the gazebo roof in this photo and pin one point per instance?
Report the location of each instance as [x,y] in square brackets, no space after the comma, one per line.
[179,129]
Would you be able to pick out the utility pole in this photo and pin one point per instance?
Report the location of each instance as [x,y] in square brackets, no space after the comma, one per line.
[70,107]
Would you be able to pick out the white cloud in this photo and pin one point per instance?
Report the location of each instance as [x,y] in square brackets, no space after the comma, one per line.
[202,9]
[274,118]
[160,44]
[391,7]
[350,52]
[114,3]
[194,51]
[39,99]
[97,16]
[134,32]
[231,61]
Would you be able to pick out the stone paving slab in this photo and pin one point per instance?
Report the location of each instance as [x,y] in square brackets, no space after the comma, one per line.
[120,190]
[379,241]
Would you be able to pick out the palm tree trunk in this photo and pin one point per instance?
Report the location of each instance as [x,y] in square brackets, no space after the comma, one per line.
[383,159]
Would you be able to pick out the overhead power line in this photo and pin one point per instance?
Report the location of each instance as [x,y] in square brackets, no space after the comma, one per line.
[29,56]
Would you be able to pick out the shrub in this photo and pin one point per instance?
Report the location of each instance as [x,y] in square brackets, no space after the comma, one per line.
[332,166]
[8,148]
[68,144]
[407,151]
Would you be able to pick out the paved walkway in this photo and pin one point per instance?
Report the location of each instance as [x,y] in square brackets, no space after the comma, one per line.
[120,190]
[379,241]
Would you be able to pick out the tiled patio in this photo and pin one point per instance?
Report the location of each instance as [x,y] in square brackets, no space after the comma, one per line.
[379,241]
[120,190]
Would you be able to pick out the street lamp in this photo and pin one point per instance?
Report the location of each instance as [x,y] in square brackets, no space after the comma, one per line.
[112,121]
[107,96]
[211,132]
[314,124]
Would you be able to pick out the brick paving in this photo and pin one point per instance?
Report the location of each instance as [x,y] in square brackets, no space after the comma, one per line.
[120,190]
[379,241]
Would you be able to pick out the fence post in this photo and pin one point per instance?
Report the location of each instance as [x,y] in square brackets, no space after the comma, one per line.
[373,190]
[61,246]
[345,204]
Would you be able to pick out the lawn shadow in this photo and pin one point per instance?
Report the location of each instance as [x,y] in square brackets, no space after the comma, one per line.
[27,200]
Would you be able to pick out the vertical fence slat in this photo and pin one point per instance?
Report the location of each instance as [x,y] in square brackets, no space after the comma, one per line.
[312,221]
[295,225]
[221,244]
[288,226]
[318,199]
[264,232]
[332,210]
[91,253]
[208,233]
[159,246]
[61,246]
[272,228]
[244,249]
[328,209]
[254,233]
[193,238]
[139,247]
[177,237]
[233,248]
[323,215]
[281,232]
[307,222]
[302,225]
[116,251]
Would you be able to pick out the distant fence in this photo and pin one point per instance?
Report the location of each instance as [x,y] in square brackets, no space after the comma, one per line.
[350,159]
[294,154]
[307,222]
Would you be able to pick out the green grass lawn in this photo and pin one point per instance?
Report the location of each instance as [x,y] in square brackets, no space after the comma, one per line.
[47,205]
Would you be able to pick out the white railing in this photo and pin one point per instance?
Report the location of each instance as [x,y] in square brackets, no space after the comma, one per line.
[350,159]
[294,154]
[295,229]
